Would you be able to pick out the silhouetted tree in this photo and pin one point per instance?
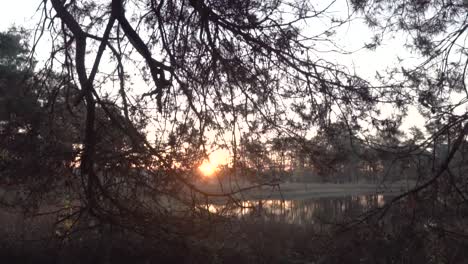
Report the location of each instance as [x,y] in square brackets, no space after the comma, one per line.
[35,152]
[150,85]
[188,67]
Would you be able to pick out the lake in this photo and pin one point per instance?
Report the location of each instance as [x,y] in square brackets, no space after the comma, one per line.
[301,211]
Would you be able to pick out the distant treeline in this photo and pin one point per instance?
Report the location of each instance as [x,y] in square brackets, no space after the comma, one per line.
[336,156]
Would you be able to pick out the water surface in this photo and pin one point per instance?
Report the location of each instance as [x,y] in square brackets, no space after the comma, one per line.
[302,211]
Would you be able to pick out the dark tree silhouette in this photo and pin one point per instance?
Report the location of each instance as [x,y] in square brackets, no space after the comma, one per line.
[435,31]
[136,93]
[193,73]
[33,143]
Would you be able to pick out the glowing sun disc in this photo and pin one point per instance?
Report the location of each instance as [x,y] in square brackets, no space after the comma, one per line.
[207,169]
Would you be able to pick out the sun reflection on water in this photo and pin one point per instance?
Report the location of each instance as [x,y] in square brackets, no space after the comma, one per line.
[298,211]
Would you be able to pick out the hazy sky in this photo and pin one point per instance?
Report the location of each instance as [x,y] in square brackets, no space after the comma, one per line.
[18,12]
[351,37]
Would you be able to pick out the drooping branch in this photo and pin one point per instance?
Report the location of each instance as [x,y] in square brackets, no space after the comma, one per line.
[156,67]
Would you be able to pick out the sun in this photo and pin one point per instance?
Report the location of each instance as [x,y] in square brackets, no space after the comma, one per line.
[207,169]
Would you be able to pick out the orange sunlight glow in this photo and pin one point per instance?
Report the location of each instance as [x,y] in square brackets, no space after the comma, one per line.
[207,168]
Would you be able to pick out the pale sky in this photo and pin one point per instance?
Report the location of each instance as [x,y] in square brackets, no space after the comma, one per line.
[351,37]
[19,12]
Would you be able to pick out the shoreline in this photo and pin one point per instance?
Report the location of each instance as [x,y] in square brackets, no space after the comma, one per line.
[304,191]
